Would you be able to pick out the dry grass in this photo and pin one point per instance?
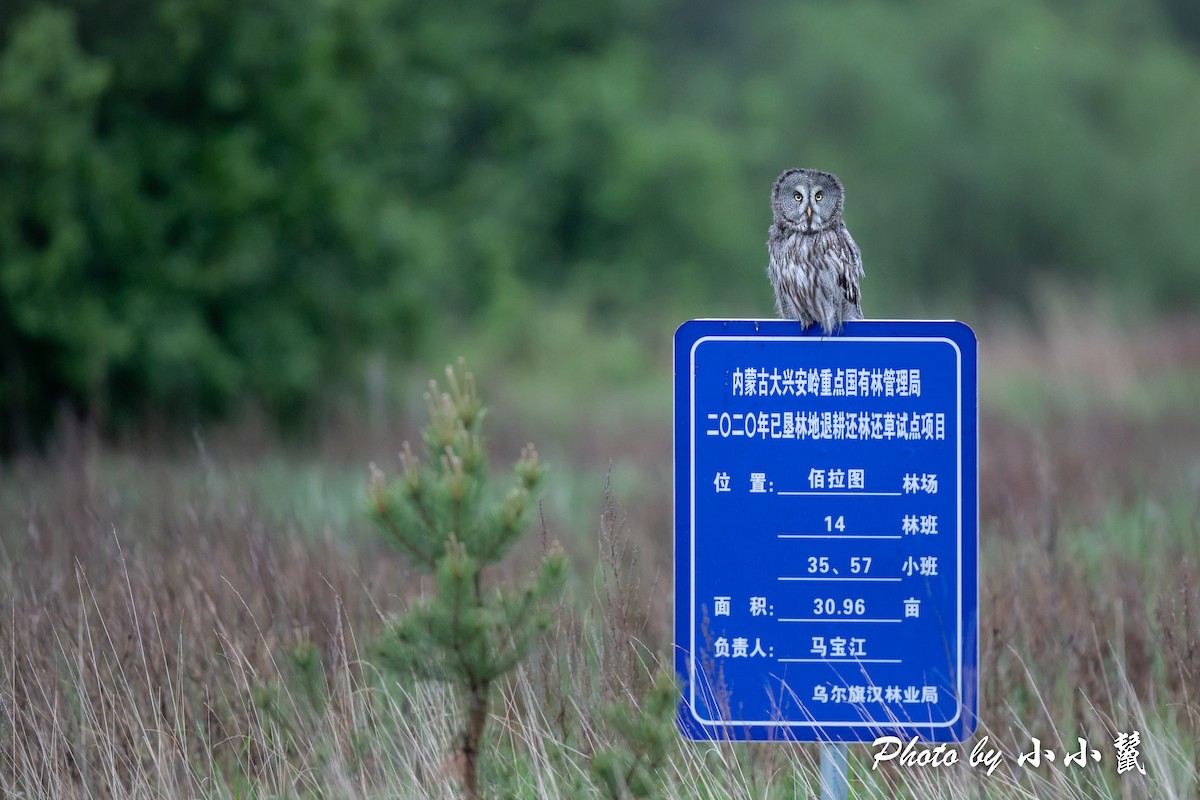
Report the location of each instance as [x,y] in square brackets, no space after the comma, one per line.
[144,610]
[159,608]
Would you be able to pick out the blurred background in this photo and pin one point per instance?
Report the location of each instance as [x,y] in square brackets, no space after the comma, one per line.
[212,209]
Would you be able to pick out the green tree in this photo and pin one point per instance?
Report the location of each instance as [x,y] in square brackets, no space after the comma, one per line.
[440,516]
[51,341]
[190,215]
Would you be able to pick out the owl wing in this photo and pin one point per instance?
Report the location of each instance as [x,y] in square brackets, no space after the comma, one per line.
[850,268]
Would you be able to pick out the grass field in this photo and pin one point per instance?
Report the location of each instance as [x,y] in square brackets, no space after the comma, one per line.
[194,617]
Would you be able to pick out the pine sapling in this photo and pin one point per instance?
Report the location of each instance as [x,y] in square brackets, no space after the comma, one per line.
[439,514]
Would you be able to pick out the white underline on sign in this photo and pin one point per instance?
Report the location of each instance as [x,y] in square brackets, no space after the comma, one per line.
[841,494]
[836,536]
[841,660]
[859,580]
[838,620]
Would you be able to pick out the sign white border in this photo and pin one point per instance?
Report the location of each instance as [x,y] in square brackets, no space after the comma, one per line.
[692,655]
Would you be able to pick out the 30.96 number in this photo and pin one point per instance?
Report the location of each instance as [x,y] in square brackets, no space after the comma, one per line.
[848,607]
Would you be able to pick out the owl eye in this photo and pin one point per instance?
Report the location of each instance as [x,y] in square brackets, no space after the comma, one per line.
[818,196]
[798,197]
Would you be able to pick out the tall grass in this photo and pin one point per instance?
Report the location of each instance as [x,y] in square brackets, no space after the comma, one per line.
[195,622]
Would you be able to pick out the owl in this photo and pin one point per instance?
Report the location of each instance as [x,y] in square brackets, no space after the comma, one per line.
[815,265]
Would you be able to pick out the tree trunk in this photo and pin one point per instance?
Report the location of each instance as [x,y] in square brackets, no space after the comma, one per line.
[477,707]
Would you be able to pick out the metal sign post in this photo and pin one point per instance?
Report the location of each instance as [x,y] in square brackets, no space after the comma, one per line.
[826,532]
[835,778]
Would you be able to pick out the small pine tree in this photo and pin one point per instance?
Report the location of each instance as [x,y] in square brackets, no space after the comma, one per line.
[633,765]
[440,516]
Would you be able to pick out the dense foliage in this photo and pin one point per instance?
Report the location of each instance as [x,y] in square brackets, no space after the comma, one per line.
[189,218]
[207,203]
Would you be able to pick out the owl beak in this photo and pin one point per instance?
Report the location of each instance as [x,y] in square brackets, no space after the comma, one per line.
[808,210]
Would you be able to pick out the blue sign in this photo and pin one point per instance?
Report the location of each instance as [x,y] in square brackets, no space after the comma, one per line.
[826,527]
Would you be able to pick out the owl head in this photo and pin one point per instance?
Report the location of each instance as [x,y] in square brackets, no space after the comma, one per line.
[808,200]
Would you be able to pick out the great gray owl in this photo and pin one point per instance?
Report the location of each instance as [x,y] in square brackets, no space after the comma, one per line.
[815,265]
